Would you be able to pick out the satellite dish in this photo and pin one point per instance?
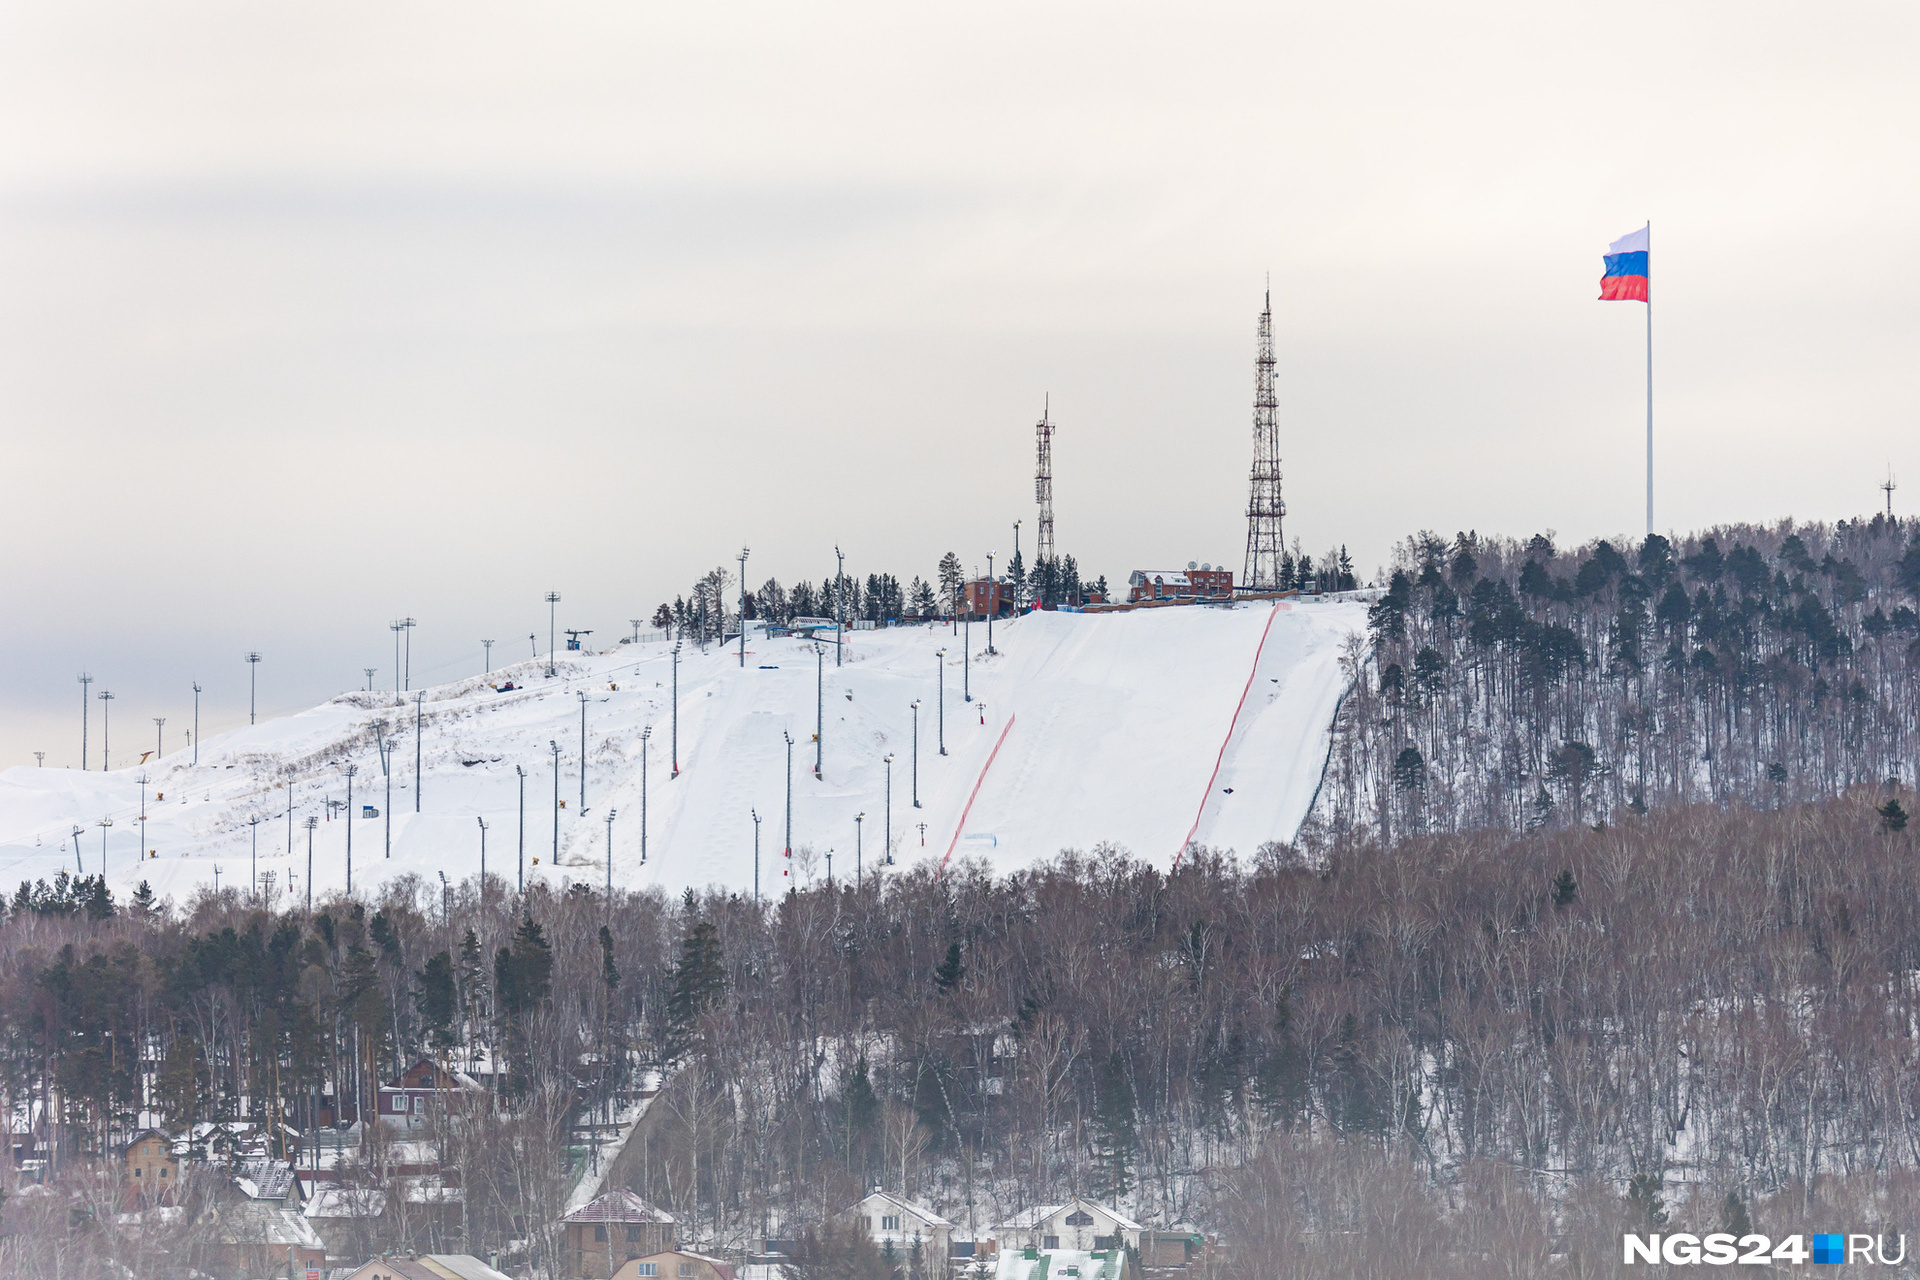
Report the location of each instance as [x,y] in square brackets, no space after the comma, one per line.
[1206,568]
[1192,565]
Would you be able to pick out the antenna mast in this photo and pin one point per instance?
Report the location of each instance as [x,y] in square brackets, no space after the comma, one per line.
[1889,486]
[1043,483]
[1265,507]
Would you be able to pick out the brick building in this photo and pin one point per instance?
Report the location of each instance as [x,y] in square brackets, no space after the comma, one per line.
[1195,582]
[618,1226]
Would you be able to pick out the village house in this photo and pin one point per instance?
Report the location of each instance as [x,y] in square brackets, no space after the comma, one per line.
[425,1266]
[260,1237]
[424,1090]
[1077,1224]
[889,1220]
[675,1264]
[1173,1250]
[347,1220]
[616,1227]
[153,1170]
[1062,1264]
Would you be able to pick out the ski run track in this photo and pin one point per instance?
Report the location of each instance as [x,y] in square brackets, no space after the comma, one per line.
[1147,729]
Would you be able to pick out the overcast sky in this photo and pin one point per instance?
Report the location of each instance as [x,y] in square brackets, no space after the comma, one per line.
[314,315]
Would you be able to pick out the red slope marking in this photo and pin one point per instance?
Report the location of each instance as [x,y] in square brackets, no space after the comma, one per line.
[1208,793]
[975,792]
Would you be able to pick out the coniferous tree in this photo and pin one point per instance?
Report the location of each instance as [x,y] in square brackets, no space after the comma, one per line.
[699,980]
[1115,1137]
[435,1001]
[952,969]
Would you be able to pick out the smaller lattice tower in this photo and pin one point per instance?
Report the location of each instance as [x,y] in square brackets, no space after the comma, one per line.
[1043,483]
[1265,507]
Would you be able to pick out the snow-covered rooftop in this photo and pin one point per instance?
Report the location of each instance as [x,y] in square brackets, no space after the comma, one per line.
[618,1206]
[1058,1264]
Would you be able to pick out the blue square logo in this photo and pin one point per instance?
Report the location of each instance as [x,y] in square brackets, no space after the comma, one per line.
[1832,1248]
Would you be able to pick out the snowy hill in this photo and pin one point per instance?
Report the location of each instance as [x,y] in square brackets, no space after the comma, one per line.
[1135,728]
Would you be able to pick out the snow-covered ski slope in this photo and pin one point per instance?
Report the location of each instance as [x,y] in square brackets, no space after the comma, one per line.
[1137,728]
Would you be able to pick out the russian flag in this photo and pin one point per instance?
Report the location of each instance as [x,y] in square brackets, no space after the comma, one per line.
[1625,279]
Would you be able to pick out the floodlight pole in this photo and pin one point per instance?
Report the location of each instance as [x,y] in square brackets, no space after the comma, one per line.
[553,598]
[676,708]
[743,608]
[788,851]
[555,746]
[583,749]
[143,825]
[196,722]
[311,823]
[105,698]
[522,882]
[755,814]
[966,658]
[419,716]
[253,668]
[990,602]
[159,738]
[103,824]
[610,814]
[406,667]
[487,648]
[483,857]
[645,734]
[819,706]
[915,705]
[86,679]
[369,673]
[859,821]
[351,770]
[254,822]
[839,598]
[396,627]
[940,669]
[77,868]
[385,749]
[888,761]
[40,759]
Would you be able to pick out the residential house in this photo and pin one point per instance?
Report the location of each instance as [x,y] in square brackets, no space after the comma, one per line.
[349,1221]
[1062,1264]
[153,1170]
[1173,1250]
[1195,582]
[260,1237]
[425,1266]
[605,1232]
[425,1090]
[675,1264]
[891,1221]
[266,1179]
[1077,1224]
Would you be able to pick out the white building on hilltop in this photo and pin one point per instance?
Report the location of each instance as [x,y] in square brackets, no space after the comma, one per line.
[1077,1224]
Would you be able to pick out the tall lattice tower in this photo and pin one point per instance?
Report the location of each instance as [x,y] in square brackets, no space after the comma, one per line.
[1043,483]
[1265,507]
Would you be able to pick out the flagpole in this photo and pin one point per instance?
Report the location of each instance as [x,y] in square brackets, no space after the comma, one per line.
[1649,382]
